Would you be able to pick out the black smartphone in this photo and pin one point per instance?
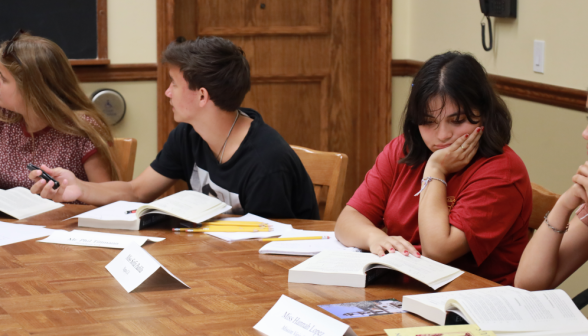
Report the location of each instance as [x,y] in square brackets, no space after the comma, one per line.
[44,176]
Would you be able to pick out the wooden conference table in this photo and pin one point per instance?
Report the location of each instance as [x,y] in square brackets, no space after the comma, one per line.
[51,289]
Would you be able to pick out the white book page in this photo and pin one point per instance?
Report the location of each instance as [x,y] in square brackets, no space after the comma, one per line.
[305,247]
[21,203]
[563,331]
[343,262]
[507,309]
[189,205]
[422,269]
[278,229]
[15,233]
[114,211]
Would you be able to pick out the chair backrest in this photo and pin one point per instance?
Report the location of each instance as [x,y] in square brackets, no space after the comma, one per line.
[327,171]
[124,151]
[543,201]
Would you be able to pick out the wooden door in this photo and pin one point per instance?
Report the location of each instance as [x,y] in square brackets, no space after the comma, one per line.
[320,69]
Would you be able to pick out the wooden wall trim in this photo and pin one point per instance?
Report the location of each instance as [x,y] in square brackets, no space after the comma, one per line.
[541,93]
[573,99]
[102,24]
[405,68]
[117,72]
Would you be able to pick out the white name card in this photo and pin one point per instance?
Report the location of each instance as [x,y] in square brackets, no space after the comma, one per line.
[289,317]
[97,239]
[133,266]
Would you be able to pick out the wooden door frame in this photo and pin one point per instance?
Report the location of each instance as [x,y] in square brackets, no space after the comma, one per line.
[373,123]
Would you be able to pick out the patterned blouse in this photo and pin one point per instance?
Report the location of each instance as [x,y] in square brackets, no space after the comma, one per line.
[47,146]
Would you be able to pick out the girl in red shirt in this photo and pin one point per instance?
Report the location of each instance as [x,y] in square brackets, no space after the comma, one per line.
[558,247]
[449,187]
[45,117]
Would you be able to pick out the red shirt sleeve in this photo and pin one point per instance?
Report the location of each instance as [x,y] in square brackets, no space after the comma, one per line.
[87,149]
[372,195]
[487,209]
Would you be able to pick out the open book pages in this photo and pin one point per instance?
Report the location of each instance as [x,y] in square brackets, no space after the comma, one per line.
[305,247]
[189,205]
[15,233]
[278,229]
[344,268]
[20,203]
[453,330]
[501,309]
[561,332]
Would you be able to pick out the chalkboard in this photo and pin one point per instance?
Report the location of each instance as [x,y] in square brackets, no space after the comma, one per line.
[72,24]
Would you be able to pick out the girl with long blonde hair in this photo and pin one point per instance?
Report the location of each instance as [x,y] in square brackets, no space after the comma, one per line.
[45,117]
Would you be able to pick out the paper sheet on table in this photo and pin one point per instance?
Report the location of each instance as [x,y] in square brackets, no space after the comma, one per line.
[15,233]
[305,247]
[97,239]
[278,229]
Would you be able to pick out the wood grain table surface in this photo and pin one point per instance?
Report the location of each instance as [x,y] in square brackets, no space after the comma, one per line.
[52,289]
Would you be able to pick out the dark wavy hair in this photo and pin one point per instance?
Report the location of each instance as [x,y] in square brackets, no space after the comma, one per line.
[215,64]
[460,78]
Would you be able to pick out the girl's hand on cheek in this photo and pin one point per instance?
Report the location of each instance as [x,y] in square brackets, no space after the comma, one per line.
[455,157]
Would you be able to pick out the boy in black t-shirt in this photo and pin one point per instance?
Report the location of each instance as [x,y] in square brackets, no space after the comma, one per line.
[217,148]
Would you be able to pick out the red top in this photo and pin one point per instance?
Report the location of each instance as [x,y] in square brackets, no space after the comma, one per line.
[489,200]
[48,146]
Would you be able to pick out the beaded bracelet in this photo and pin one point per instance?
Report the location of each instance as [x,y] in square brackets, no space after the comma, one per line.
[426,181]
[554,229]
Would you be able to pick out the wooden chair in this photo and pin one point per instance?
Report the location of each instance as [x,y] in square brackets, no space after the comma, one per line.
[123,152]
[543,201]
[327,171]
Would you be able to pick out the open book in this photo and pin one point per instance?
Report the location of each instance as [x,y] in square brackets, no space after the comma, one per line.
[188,206]
[20,203]
[501,309]
[344,268]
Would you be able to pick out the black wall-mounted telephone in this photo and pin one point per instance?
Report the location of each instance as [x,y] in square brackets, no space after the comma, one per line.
[499,8]
[496,8]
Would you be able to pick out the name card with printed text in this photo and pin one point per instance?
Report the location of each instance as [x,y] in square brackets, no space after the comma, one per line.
[133,266]
[97,239]
[289,317]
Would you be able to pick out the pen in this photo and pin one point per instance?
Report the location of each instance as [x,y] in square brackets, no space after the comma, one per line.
[227,227]
[295,238]
[131,211]
[235,223]
[222,229]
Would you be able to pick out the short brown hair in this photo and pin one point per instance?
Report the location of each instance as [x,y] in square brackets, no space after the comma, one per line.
[215,64]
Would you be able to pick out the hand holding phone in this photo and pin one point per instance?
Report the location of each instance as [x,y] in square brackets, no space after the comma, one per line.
[44,175]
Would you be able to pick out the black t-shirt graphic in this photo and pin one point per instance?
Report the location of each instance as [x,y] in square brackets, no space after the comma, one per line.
[264,177]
